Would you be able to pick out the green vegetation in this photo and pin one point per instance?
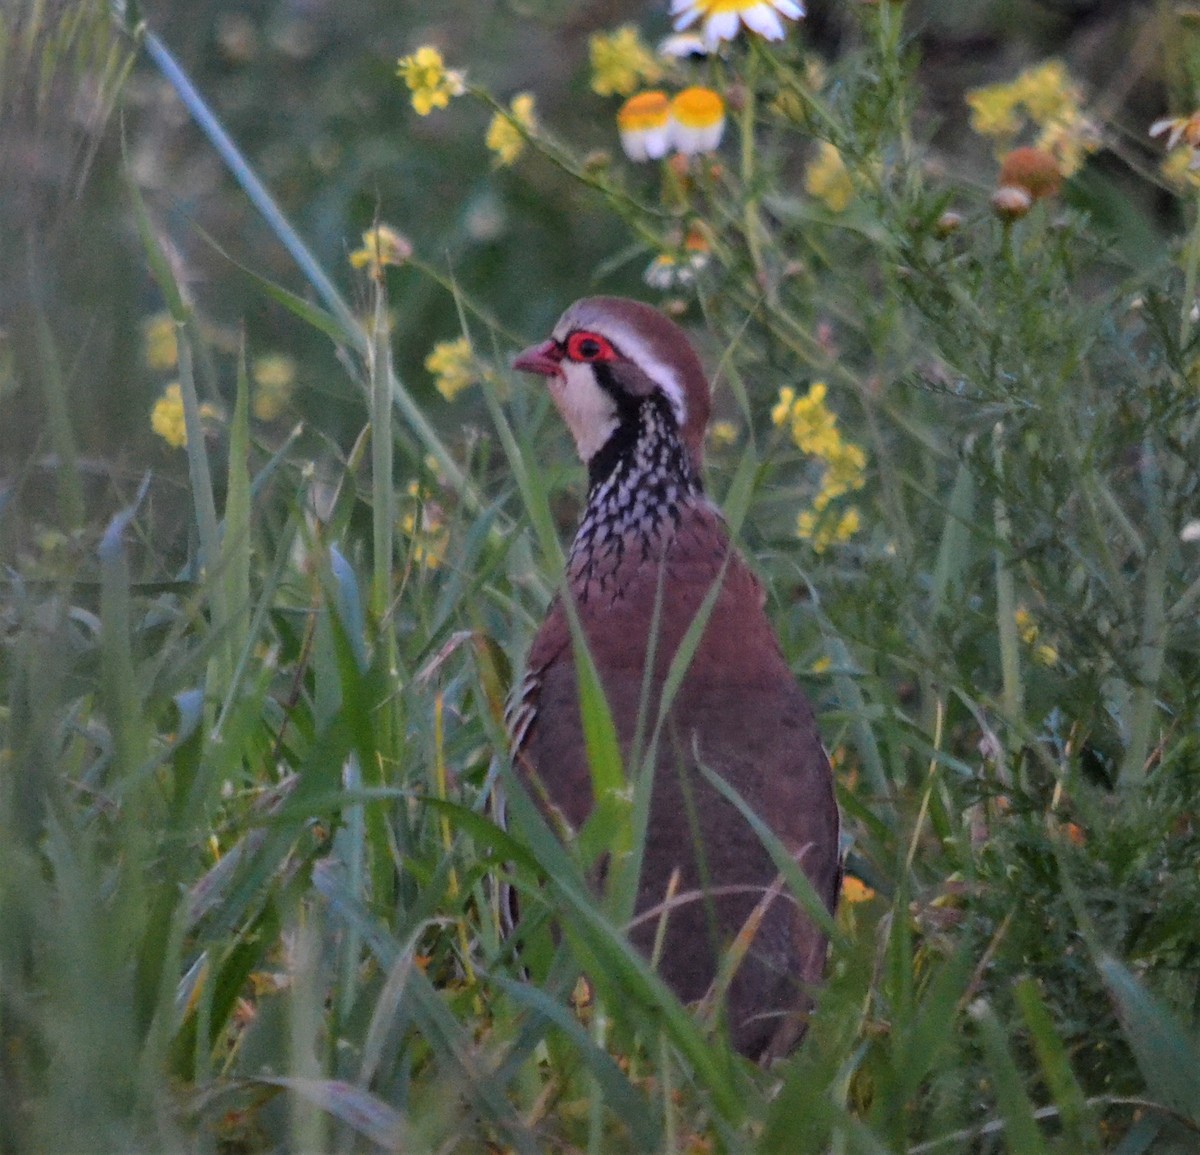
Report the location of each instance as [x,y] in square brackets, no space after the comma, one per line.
[251,706]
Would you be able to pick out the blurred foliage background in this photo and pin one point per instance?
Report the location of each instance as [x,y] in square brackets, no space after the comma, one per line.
[250,690]
[307,91]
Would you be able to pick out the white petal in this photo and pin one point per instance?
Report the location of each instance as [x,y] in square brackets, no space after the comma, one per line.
[720,26]
[710,137]
[657,141]
[764,20]
[659,274]
[682,45]
[691,141]
[634,144]
[686,14]
[789,9]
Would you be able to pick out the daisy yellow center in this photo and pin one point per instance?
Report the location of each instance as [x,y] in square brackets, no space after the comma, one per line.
[645,111]
[711,7]
[698,108]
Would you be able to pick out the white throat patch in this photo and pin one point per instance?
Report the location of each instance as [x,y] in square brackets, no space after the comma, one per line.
[590,413]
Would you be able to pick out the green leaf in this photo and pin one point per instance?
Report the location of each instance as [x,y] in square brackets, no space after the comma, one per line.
[1022,1135]
[1078,1123]
[1166,1053]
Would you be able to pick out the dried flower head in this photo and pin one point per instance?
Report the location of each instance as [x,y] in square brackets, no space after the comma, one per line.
[1034,170]
[1011,203]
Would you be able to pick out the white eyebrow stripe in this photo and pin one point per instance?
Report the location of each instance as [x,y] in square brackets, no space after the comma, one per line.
[658,371]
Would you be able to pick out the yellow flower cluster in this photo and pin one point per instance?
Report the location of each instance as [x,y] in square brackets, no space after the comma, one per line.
[621,63]
[814,430]
[158,337]
[1045,97]
[274,375]
[506,133]
[431,83]
[166,418]
[423,524]
[827,179]
[1027,628]
[722,434]
[382,245]
[451,364]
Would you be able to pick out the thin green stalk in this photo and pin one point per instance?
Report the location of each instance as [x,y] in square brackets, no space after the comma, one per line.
[201,476]
[751,224]
[1013,696]
[1151,655]
[58,417]
[1191,268]
[382,446]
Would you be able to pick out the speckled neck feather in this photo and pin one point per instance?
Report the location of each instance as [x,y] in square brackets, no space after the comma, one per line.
[639,483]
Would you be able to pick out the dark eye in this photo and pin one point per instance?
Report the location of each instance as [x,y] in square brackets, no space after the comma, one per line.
[589,347]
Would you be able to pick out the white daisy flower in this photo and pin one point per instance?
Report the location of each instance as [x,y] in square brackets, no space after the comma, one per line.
[644,125]
[697,121]
[721,19]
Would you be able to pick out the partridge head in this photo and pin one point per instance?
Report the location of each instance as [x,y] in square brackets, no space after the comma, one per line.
[649,550]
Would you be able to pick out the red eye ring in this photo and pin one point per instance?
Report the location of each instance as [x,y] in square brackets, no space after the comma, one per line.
[585,346]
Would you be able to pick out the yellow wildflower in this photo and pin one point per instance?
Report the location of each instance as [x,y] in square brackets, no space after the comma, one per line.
[1069,140]
[621,63]
[845,464]
[1045,654]
[158,336]
[506,133]
[273,374]
[722,433]
[451,365]
[783,407]
[827,179]
[814,430]
[423,524]
[1026,626]
[854,890]
[1046,91]
[822,529]
[431,83]
[994,111]
[1046,98]
[822,665]
[166,418]
[382,245]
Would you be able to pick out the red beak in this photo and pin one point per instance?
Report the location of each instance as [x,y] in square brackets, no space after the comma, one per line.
[544,359]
